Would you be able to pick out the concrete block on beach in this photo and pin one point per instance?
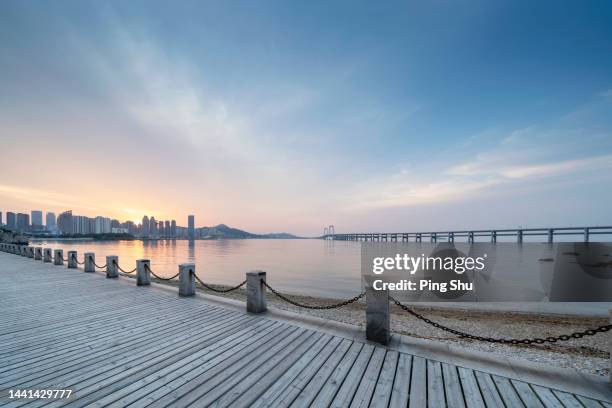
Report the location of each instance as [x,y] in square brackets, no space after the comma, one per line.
[58,257]
[89,262]
[112,266]
[72,259]
[187,279]
[256,292]
[47,255]
[378,322]
[143,277]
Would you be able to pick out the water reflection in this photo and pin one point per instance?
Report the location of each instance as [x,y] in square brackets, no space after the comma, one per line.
[314,267]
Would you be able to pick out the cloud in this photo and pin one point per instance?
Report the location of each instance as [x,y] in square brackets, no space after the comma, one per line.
[45,198]
[522,163]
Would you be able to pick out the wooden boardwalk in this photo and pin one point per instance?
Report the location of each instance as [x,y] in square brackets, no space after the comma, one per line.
[116,344]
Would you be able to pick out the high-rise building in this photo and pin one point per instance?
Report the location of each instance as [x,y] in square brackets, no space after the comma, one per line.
[50,221]
[37,221]
[103,225]
[23,222]
[146,230]
[153,227]
[11,220]
[0,217]
[167,230]
[191,227]
[173,229]
[161,229]
[64,222]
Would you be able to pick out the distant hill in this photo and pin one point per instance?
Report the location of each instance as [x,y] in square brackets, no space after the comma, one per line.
[223,231]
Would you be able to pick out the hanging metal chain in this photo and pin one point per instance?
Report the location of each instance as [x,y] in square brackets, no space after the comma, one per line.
[314,307]
[125,272]
[537,340]
[77,260]
[159,277]
[215,289]
[91,259]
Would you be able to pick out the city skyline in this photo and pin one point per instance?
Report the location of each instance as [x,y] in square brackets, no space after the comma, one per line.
[31,221]
[277,117]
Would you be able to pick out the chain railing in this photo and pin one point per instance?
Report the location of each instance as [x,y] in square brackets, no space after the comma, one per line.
[147,267]
[459,333]
[92,260]
[121,270]
[536,340]
[215,289]
[314,307]
[77,260]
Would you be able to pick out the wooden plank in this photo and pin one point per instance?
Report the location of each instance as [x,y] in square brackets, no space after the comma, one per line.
[527,395]
[568,400]
[315,374]
[547,397]
[589,403]
[327,382]
[178,382]
[488,390]
[435,385]
[153,342]
[316,356]
[384,386]
[452,386]
[208,383]
[247,387]
[351,381]
[471,390]
[418,383]
[507,392]
[365,390]
[401,384]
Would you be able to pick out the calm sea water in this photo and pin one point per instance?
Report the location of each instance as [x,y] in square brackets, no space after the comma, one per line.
[308,267]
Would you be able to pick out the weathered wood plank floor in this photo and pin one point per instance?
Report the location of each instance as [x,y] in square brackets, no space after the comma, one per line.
[115,344]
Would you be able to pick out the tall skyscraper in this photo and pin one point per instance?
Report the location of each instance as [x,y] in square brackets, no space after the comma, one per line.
[23,222]
[50,221]
[64,222]
[153,227]
[0,217]
[191,227]
[37,221]
[11,221]
[145,226]
[167,230]
[173,229]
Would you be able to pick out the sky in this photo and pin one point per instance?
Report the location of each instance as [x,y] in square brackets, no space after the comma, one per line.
[290,116]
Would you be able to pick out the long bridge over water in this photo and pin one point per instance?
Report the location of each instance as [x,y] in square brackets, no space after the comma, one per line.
[125,341]
[584,234]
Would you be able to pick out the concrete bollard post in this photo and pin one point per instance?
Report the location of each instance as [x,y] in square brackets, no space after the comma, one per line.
[610,350]
[47,255]
[38,253]
[143,277]
[72,260]
[58,257]
[187,279]
[90,259]
[256,292]
[30,252]
[112,266]
[378,322]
